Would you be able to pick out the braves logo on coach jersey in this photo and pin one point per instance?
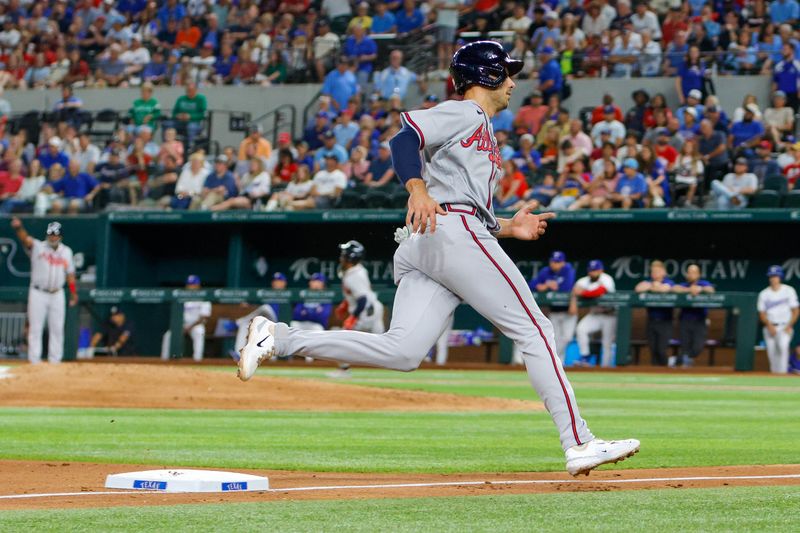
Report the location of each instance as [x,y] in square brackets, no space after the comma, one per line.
[53,260]
[485,143]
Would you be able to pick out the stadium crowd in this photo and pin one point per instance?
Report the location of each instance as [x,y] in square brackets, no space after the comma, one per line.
[695,154]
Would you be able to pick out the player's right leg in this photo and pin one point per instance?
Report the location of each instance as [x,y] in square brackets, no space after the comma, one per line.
[473,265]
[421,310]
[56,310]
[37,310]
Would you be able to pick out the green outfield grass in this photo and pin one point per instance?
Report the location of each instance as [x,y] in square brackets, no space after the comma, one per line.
[682,420]
[731,509]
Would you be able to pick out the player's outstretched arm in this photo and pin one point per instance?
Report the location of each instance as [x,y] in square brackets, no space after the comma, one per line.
[22,234]
[525,225]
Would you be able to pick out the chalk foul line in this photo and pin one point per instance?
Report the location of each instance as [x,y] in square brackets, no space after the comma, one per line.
[433,484]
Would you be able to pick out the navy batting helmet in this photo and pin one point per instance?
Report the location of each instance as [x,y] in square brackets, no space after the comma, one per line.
[484,63]
[353,251]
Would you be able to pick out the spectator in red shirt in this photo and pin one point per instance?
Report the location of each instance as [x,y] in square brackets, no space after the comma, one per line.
[792,170]
[598,113]
[531,115]
[512,186]
[664,150]
[78,68]
[11,180]
[674,22]
[188,35]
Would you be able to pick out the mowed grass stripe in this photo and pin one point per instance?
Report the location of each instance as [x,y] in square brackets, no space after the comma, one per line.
[729,509]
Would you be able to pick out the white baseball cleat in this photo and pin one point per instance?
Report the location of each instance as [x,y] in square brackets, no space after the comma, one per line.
[586,457]
[260,345]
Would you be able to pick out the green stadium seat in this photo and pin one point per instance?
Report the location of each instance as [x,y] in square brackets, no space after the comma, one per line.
[377,199]
[351,199]
[400,199]
[776,182]
[792,199]
[765,199]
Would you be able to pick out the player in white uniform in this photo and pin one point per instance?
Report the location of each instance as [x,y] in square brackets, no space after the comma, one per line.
[448,159]
[360,310]
[195,315]
[602,319]
[778,310]
[51,266]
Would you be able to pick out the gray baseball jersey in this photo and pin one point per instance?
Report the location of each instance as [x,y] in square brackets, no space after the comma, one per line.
[461,160]
[461,262]
[49,267]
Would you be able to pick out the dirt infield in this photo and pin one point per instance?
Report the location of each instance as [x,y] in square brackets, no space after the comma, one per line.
[47,479]
[178,387]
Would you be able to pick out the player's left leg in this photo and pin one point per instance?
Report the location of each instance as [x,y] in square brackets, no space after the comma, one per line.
[56,309]
[198,336]
[421,309]
[442,346]
[771,344]
[608,336]
[488,280]
[784,343]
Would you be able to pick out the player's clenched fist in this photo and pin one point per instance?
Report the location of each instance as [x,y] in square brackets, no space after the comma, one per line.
[16,223]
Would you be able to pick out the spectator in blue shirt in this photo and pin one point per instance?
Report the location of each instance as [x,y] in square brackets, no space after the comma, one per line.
[631,187]
[340,84]
[786,76]
[156,70]
[380,171]
[313,134]
[363,51]
[219,185]
[747,133]
[383,21]
[172,10]
[558,276]
[76,190]
[675,54]
[781,11]
[329,147]
[691,76]
[53,154]
[503,121]
[346,130]
[550,31]
[395,78]
[550,78]
[527,158]
[692,326]
[409,18]
[224,64]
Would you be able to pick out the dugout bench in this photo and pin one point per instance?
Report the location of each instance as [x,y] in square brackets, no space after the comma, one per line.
[742,304]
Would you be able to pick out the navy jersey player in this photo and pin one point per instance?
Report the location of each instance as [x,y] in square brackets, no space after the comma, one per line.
[448,160]
[558,276]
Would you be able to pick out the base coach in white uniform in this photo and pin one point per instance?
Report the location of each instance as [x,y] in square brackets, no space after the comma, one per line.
[51,266]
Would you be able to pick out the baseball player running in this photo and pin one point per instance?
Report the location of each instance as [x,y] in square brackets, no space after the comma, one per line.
[603,319]
[51,266]
[360,310]
[558,276]
[778,310]
[447,157]
[195,315]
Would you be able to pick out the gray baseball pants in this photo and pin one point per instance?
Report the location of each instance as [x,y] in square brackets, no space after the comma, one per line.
[461,261]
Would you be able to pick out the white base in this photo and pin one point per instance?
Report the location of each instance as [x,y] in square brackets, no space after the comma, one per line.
[187,481]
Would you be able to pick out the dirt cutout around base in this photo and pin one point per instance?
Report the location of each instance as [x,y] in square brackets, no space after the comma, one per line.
[176,387]
[46,479]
